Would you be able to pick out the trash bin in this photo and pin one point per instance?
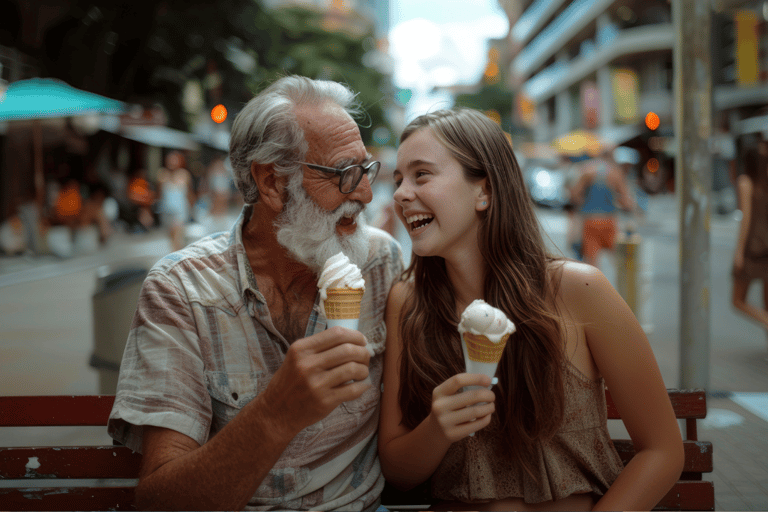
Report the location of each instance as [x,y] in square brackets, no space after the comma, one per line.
[114,304]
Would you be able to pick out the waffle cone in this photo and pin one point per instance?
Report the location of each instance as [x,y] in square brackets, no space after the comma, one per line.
[483,350]
[343,303]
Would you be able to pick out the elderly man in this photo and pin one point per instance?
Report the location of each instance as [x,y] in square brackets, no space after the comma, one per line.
[231,386]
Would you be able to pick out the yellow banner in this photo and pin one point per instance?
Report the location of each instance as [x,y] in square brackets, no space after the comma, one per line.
[625,95]
[746,24]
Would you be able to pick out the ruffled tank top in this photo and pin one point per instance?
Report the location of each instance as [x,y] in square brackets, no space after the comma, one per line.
[580,458]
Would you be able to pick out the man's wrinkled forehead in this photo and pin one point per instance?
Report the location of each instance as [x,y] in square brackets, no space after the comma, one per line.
[328,128]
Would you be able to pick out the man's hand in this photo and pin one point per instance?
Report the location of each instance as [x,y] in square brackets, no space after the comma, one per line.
[459,414]
[318,374]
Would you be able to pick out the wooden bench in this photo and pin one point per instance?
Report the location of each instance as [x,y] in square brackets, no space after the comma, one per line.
[104,477]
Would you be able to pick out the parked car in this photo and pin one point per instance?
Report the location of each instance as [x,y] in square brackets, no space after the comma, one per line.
[546,184]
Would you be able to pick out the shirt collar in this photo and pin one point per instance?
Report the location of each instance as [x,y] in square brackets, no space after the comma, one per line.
[247,281]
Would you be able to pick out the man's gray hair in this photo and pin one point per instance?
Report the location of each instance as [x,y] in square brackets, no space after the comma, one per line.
[267,131]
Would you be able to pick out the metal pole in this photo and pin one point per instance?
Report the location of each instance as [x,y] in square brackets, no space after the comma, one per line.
[693,180]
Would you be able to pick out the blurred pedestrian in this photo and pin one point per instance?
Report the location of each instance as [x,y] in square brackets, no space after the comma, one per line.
[175,197]
[142,197]
[750,260]
[68,205]
[220,189]
[13,236]
[600,191]
[573,233]
[94,214]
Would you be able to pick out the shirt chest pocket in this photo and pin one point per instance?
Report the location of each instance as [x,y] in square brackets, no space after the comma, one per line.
[230,392]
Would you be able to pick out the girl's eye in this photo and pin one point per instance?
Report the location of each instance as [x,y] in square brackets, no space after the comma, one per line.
[419,174]
[397,183]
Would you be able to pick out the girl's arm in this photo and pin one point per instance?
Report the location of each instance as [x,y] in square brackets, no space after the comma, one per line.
[409,457]
[744,188]
[624,358]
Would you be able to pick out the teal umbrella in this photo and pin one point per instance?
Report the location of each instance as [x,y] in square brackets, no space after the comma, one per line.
[39,98]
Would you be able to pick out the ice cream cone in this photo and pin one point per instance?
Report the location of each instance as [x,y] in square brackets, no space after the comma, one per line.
[482,350]
[342,307]
[343,303]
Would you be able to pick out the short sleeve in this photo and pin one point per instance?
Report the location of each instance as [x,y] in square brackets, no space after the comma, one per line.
[162,380]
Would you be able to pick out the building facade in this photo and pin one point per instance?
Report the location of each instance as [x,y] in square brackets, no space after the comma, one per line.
[607,66]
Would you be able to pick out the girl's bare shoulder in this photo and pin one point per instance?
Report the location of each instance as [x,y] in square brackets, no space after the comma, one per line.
[579,283]
[399,293]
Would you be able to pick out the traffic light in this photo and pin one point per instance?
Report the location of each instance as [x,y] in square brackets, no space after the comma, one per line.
[652,120]
[219,113]
[656,170]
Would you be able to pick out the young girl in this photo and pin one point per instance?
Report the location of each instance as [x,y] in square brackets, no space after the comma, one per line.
[539,439]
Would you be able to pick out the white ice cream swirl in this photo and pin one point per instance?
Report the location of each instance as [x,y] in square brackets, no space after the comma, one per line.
[482,318]
[339,272]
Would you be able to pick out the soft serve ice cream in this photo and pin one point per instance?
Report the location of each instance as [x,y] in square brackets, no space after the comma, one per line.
[341,287]
[484,332]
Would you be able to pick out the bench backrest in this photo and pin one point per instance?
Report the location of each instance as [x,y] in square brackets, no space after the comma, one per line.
[63,477]
[104,477]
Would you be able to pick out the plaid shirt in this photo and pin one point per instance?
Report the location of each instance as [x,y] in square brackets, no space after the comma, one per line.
[202,345]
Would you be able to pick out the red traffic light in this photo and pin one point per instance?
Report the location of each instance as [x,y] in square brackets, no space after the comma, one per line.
[652,120]
[219,113]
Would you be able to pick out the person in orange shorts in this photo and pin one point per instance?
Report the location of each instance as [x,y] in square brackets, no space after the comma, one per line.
[600,191]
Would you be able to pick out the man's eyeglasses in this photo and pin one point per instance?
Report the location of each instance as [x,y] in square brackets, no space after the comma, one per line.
[350,176]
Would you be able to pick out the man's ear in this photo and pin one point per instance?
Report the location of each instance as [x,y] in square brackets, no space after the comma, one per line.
[271,187]
[483,198]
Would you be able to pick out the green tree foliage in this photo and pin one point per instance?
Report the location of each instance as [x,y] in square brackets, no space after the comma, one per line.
[493,96]
[302,45]
[146,52]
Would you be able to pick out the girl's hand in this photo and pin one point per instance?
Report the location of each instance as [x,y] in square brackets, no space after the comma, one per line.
[458,414]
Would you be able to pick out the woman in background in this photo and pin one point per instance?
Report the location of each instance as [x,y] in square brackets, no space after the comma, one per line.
[750,260]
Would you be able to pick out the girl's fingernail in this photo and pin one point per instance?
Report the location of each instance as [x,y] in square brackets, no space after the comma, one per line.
[494,381]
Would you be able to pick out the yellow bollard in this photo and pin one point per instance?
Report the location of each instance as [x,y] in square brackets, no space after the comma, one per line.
[628,270]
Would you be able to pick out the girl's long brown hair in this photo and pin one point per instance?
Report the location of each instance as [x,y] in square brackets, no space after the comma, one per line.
[529,396]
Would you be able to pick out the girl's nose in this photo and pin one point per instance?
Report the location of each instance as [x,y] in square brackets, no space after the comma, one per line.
[403,193]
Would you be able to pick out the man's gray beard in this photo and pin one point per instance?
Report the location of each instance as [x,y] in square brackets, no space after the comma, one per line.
[308,231]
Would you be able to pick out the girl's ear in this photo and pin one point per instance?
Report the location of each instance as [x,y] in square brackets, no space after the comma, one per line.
[271,187]
[483,198]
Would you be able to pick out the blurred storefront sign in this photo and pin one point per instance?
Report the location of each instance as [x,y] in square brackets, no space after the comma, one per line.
[747,47]
[525,108]
[626,93]
[590,104]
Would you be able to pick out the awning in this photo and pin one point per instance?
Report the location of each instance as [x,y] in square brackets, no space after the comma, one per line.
[755,124]
[157,136]
[39,98]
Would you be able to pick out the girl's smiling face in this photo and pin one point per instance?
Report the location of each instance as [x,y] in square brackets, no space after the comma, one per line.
[434,200]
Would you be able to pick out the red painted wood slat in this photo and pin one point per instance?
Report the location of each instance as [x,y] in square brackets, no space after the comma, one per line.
[686,403]
[698,454]
[70,462]
[55,411]
[689,495]
[68,498]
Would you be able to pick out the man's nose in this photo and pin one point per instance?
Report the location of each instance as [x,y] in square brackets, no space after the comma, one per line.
[362,192]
